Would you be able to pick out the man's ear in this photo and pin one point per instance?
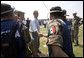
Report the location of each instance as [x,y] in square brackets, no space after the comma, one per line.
[10,14]
[13,15]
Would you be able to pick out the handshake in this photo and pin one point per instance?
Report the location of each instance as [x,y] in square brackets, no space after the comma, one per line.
[43,35]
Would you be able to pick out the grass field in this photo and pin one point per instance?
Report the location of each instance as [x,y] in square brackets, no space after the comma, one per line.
[78,50]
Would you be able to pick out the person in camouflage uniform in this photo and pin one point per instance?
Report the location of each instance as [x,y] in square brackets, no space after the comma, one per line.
[55,32]
[58,42]
[76,27]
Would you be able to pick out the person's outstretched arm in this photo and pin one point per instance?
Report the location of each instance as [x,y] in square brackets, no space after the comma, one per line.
[58,52]
[56,44]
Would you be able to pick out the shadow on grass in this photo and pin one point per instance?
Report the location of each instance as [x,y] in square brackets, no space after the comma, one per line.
[43,55]
[80,45]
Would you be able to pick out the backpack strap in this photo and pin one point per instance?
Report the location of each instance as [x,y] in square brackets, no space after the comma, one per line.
[14,28]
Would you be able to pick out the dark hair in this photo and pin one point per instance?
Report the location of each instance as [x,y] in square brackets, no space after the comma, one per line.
[35,11]
[5,7]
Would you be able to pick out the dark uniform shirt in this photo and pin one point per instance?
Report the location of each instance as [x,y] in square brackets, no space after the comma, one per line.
[67,44]
[7,25]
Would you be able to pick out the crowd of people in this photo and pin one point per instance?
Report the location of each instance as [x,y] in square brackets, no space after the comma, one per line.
[21,38]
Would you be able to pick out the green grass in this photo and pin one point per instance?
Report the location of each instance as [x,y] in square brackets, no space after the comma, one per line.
[78,50]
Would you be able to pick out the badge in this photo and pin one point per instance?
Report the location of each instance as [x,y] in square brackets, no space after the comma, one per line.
[53,29]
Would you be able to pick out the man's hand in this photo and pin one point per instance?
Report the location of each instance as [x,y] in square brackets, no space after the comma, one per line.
[45,35]
[40,35]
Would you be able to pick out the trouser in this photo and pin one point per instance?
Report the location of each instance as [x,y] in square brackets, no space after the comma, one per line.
[50,51]
[44,25]
[76,31]
[33,50]
[36,41]
[72,35]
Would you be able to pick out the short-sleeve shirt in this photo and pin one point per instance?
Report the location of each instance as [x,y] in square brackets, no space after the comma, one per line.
[76,21]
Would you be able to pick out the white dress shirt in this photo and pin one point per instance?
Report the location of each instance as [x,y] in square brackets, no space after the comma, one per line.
[34,25]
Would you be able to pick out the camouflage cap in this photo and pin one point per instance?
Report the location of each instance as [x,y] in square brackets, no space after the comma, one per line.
[55,9]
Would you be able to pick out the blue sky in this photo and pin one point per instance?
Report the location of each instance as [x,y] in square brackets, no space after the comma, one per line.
[29,6]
